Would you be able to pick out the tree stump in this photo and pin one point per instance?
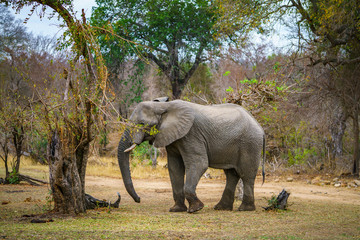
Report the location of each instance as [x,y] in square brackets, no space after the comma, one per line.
[280,202]
[239,191]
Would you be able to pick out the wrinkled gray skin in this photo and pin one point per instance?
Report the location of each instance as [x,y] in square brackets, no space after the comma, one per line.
[197,137]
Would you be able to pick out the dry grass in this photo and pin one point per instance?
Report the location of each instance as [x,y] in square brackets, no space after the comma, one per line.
[105,167]
[29,167]
[108,167]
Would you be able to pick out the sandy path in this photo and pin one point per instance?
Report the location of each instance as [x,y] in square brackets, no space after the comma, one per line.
[210,190]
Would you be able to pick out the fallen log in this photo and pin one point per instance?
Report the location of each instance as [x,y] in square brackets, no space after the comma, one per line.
[30,180]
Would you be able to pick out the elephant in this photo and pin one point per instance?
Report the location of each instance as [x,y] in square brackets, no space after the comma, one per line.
[222,136]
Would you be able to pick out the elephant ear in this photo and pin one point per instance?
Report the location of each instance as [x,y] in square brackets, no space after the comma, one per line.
[175,123]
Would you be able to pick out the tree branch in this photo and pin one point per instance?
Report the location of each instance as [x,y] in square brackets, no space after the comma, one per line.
[337,61]
[161,65]
[196,63]
[305,15]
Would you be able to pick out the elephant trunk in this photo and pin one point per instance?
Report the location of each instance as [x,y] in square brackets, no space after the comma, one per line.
[123,159]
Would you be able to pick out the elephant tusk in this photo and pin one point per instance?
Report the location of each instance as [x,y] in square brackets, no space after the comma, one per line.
[131,148]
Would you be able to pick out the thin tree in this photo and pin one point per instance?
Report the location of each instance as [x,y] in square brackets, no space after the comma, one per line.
[70,123]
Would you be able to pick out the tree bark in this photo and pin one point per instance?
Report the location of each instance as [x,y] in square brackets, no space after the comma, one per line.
[337,130]
[356,144]
[5,157]
[239,191]
[65,181]
[176,89]
[18,139]
[153,156]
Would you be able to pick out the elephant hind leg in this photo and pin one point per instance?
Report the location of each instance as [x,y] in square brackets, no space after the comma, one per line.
[248,203]
[227,199]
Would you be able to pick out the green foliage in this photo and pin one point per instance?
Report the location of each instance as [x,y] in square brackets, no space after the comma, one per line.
[104,140]
[249,82]
[276,67]
[135,81]
[154,23]
[153,131]
[243,17]
[229,89]
[38,143]
[200,86]
[14,177]
[186,98]
[174,34]
[227,73]
[275,202]
[272,202]
[256,94]
[141,154]
[301,144]
[300,156]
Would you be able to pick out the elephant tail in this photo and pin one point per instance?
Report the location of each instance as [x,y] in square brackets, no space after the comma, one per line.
[264,156]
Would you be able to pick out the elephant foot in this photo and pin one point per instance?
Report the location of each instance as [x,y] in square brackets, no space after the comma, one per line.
[194,203]
[225,207]
[195,206]
[247,207]
[178,208]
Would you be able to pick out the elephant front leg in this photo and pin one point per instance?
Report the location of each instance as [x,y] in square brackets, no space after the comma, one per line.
[248,203]
[177,171]
[193,175]
[227,199]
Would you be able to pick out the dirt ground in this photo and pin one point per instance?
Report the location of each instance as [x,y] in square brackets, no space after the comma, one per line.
[210,190]
[315,212]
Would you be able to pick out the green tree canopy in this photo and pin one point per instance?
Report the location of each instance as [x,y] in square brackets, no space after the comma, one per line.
[174,34]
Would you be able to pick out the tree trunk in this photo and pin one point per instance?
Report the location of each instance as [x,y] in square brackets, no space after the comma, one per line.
[356,144]
[176,90]
[239,190]
[65,182]
[7,173]
[5,157]
[153,156]
[177,85]
[18,139]
[337,130]
[82,152]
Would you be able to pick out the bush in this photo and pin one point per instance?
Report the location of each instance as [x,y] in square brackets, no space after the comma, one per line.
[38,146]
[14,177]
[142,153]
